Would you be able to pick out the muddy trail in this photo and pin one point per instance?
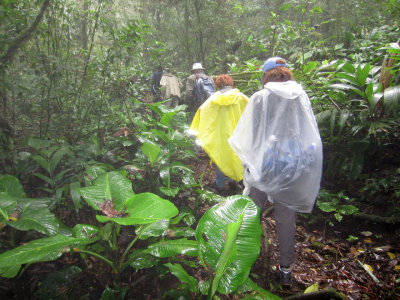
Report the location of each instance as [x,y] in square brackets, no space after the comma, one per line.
[359,259]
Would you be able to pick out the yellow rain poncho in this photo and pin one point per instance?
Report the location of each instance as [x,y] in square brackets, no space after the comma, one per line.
[213,123]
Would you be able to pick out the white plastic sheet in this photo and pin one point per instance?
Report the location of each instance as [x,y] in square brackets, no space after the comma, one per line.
[278,142]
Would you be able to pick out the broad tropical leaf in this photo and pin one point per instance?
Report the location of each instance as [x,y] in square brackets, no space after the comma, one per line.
[392,98]
[169,248]
[35,215]
[143,209]
[7,205]
[45,249]
[140,259]
[232,229]
[156,228]
[183,276]
[151,152]
[257,292]
[11,185]
[108,186]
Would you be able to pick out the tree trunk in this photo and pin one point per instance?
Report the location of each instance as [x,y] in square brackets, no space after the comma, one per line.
[187,36]
[23,36]
[84,34]
[197,6]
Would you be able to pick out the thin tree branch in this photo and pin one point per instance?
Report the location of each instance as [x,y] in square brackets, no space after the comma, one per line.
[23,36]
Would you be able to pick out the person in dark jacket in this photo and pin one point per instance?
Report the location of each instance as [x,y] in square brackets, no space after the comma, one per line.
[155,84]
[197,71]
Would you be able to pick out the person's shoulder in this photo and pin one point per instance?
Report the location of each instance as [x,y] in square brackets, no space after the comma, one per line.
[259,93]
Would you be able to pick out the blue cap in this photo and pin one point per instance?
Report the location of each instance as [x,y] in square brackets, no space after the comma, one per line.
[270,64]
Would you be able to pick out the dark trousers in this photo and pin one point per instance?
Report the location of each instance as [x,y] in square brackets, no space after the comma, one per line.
[285,219]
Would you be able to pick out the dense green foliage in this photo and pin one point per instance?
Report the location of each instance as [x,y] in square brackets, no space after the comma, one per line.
[79,131]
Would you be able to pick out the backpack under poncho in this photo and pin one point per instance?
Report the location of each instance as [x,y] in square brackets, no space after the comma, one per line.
[278,142]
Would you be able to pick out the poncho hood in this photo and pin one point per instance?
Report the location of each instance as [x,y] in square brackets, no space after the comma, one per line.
[227,98]
[288,89]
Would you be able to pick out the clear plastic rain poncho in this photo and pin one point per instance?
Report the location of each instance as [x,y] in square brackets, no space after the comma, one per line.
[278,142]
[214,123]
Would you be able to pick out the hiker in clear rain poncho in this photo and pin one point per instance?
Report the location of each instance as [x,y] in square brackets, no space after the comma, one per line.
[214,123]
[278,142]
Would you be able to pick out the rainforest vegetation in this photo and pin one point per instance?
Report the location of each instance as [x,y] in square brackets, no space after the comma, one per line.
[102,195]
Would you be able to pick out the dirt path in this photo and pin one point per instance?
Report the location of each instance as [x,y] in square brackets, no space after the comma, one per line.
[326,256]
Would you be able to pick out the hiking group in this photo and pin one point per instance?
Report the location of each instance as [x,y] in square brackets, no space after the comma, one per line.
[269,141]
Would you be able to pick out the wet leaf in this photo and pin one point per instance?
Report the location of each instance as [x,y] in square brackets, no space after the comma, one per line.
[368,240]
[366,233]
[391,255]
[382,248]
[369,267]
[312,288]
[239,218]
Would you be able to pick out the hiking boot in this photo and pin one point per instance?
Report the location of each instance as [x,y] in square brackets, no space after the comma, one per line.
[218,189]
[285,276]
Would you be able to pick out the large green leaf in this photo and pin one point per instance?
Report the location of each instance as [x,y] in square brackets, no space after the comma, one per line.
[183,276]
[257,292]
[228,254]
[7,205]
[10,184]
[45,249]
[30,214]
[392,98]
[38,143]
[93,172]
[43,162]
[344,116]
[169,192]
[108,186]
[239,242]
[56,158]
[75,196]
[166,119]
[140,259]
[143,209]
[169,248]
[181,232]
[35,215]
[156,228]
[151,152]
[362,73]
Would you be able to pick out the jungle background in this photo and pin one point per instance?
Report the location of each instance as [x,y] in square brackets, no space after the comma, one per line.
[82,143]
